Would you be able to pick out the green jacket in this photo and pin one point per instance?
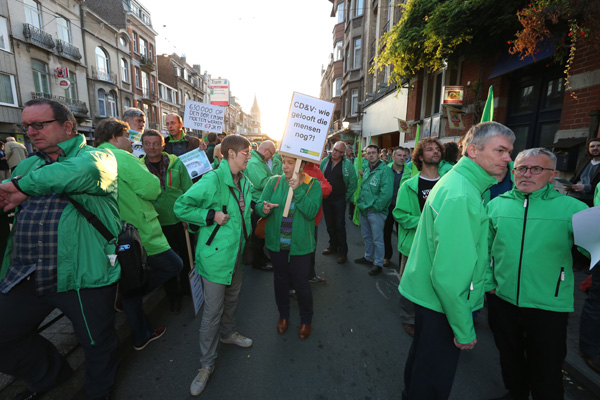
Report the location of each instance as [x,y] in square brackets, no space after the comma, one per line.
[137,189]
[349,173]
[177,182]
[444,167]
[216,262]
[531,237]
[307,200]
[277,164]
[407,213]
[89,176]
[376,190]
[449,256]
[215,163]
[258,173]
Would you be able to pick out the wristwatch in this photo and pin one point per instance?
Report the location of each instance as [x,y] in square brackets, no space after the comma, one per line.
[15,181]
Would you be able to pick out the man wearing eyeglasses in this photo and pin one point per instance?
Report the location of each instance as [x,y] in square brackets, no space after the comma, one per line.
[57,259]
[531,275]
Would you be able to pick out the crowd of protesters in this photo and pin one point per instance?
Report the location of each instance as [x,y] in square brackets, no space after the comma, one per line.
[471,225]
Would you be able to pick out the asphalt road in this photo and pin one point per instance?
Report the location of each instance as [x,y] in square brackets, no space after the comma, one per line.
[357,348]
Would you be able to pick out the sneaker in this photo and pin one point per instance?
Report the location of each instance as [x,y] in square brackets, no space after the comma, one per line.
[158,332]
[387,263]
[328,251]
[318,279]
[238,340]
[363,260]
[199,383]
[375,270]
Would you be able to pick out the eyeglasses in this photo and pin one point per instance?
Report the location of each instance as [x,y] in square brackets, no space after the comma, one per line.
[38,126]
[535,170]
[339,151]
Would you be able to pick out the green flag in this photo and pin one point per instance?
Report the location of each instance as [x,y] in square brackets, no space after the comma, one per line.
[488,110]
[415,171]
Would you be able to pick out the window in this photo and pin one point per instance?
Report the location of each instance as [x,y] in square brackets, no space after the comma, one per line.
[63,29]
[71,92]
[124,70]
[185,74]
[8,91]
[102,62]
[357,53]
[102,103]
[337,87]
[145,83]
[354,102]
[340,13]
[137,78]
[41,78]
[33,13]
[359,8]
[112,104]
[143,47]
[151,51]
[339,51]
[135,42]
[4,43]
[127,102]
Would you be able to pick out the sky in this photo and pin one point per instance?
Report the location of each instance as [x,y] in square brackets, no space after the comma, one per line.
[267,48]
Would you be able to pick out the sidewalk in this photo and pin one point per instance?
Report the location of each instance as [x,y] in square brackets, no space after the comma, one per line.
[574,364]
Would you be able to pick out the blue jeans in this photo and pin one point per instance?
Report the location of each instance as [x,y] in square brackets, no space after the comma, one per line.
[371,228]
[589,323]
[162,267]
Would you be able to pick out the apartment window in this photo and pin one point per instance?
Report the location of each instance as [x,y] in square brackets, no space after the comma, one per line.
[63,29]
[127,102]
[8,90]
[102,102]
[357,53]
[143,47]
[33,13]
[185,74]
[137,78]
[354,102]
[145,84]
[41,78]
[359,8]
[71,92]
[102,61]
[151,51]
[4,43]
[339,51]
[112,104]
[337,87]
[340,13]
[124,70]
[135,42]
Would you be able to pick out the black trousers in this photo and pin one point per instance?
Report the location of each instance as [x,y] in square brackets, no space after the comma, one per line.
[388,228]
[532,345]
[27,355]
[432,359]
[334,211]
[295,273]
[257,244]
[178,285]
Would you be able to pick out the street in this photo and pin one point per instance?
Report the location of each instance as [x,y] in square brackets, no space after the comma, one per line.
[357,348]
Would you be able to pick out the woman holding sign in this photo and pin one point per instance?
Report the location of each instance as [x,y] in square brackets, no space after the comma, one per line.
[291,239]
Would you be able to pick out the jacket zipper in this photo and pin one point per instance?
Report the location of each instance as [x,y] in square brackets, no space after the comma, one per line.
[561,277]
[526,206]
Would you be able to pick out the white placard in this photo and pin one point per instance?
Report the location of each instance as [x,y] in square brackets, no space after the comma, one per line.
[307,127]
[204,117]
[586,232]
[196,289]
[136,138]
[196,162]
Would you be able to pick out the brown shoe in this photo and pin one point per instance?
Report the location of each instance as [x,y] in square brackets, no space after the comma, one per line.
[410,329]
[282,326]
[342,259]
[328,251]
[304,331]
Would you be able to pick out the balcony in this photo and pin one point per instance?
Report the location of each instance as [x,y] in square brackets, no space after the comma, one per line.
[38,37]
[104,76]
[146,63]
[67,49]
[149,95]
[78,108]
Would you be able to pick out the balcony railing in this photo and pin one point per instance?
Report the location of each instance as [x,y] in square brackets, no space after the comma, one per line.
[38,37]
[100,75]
[146,62]
[148,94]
[68,49]
[77,107]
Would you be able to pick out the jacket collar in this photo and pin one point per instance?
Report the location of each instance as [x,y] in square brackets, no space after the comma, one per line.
[545,193]
[259,156]
[73,146]
[474,174]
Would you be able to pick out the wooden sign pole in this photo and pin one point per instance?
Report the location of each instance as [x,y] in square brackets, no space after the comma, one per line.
[290,195]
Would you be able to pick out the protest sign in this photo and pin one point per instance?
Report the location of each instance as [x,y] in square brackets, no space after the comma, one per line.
[136,138]
[586,231]
[306,128]
[196,162]
[204,117]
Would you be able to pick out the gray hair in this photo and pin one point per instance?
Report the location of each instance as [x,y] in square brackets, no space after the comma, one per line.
[132,113]
[479,135]
[537,151]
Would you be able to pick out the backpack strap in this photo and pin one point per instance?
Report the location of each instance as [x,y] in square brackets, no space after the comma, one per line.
[93,219]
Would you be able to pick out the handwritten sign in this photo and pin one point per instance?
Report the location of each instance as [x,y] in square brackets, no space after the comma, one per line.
[307,126]
[204,117]
[196,162]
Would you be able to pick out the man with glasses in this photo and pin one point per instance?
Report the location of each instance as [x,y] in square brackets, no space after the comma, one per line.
[258,173]
[340,174]
[531,277]
[57,259]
